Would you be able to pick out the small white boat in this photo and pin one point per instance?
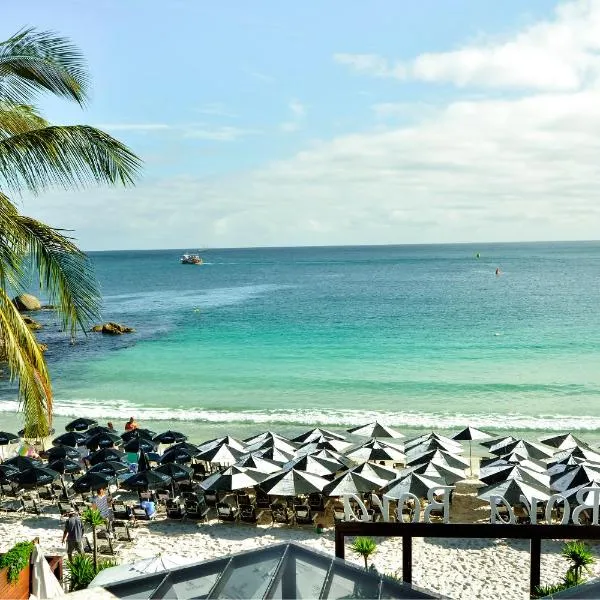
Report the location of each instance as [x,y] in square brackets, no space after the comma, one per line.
[191,259]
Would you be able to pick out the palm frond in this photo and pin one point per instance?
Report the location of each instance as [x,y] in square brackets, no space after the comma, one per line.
[18,118]
[26,363]
[12,248]
[69,156]
[34,61]
[65,273]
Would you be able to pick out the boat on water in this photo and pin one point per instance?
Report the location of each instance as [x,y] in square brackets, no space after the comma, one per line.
[191,259]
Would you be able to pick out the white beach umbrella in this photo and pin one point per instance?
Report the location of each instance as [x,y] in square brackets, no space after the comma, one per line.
[512,490]
[222,441]
[444,458]
[439,471]
[352,483]
[263,465]
[517,472]
[574,477]
[578,452]
[368,469]
[233,478]
[427,437]
[413,483]
[376,450]
[375,430]
[471,434]
[220,455]
[526,449]
[563,441]
[316,435]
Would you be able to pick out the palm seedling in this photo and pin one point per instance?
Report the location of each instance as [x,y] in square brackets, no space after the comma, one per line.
[365,546]
[92,517]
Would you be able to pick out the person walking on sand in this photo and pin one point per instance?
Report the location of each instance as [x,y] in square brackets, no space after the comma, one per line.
[131,424]
[102,502]
[73,534]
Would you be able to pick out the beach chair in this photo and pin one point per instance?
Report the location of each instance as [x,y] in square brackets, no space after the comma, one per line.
[262,500]
[339,514]
[47,493]
[316,502]
[162,497]
[140,514]
[199,471]
[120,510]
[11,506]
[280,513]
[211,497]
[244,500]
[304,516]
[175,510]
[249,514]
[122,531]
[64,509]
[31,506]
[226,512]
[110,546]
[196,511]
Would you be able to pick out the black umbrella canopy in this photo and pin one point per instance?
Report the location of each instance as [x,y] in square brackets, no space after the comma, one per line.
[512,490]
[376,450]
[143,463]
[81,424]
[353,483]
[8,438]
[373,470]
[177,455]
[433,444]
[440,456]
[23,462]
[71,438]
[578,452]
[106,454]
[139,444]
[416,484]
[471,434]
[517,472]
[225,440]
[96,429]
[60,452]
[293,483]
[64,465]
[488,465]
[265,435]
[317,435]
[427,437]
[169,437]
[233,478]
[275,443]
[375,430]
[258,463]
[35,476]
[310,464]
[91,481]
[498,443]
[333,456]
[146,480]
[222,454]
[574,477]
[191,449]
[132,434]
[526,449]
[104,439]
[7,472]
[21,433]
[276,454]
[112,468]
[439,471]
[563,441]
[175,472]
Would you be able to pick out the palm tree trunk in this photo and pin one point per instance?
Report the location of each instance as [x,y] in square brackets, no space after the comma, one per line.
[95,549]
[366,565]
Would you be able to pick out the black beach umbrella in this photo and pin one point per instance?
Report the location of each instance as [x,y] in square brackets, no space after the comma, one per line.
[276,455]
[80,424]
[317,466]
[490,465]
[7,472]
[112,468]
[71,438]
[21,433]
[512,490]
[23,462]
[91,481]
[517,472]
[191,449]
[276,443]
[471,434]
[413,483]
[375,430]
[35,476]
[333,456]
[499,444]
[440,456]
[574,477]
[376,450]
[265,435]
[143,463]
[169,437]
[177,455]
[96,429]
[60,452]
[146,480]
[373,471]
[439,471]
[139,444]
[8,438]
[104,439]
[578,452]
[434,444]
[563,441]
[258,463]
[352,483]
[175,472]
[106,454]
[233,478]
[225,440]
[293,483]
[317,435]
[146,434]
[331,445]
[222,454]
[525,449]
[428,437]
[64,465]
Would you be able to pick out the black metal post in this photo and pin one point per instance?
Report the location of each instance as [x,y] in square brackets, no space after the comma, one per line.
[535,550]
[407,559]
[340,550]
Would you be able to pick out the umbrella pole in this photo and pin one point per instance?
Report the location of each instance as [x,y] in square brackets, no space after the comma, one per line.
[471,457]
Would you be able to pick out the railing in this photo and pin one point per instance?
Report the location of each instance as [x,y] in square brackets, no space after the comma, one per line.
[407,531]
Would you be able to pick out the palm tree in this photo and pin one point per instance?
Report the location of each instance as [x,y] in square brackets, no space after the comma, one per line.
[91,516]
[35,155]
[580,557]
[365,546]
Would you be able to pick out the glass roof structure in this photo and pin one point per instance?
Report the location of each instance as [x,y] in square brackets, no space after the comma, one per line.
[278,571]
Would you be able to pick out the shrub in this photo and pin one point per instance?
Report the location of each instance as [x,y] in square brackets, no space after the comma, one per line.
[365,546]
[16,559]
[82,572]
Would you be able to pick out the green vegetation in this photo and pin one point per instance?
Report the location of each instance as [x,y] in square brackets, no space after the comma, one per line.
[365,546]
[81,571]
[34,156]
[92,517]
[16,559]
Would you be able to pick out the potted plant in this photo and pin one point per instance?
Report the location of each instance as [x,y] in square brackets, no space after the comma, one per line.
[319,528]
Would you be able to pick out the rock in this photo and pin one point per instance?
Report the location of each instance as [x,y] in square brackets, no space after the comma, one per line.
[32,323]
[111,328]
[27,302]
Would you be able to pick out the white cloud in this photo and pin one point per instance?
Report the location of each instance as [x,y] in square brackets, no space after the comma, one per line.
[216,109]
[298,109]
[141,127]
[219,134]
[289,126]
[558,54]
[297,114]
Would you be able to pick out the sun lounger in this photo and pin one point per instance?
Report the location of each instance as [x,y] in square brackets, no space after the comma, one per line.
[11,506]
[249,514]
[110,545]
[31,506]
[140,514]
[175,510]
[316,502]
[304,516]
[120,510]
[122,531]
[211,497]
[196,511]
[263,501]
[226,512]
[280,513]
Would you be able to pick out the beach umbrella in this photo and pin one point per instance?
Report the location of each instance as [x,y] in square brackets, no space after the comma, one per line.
[191,449]
[276,443]
[138,444]
[147,480]
[258,463]
[526,449]
[439,456]
[106,454]
[352,483]
[517,472]
[169,437]
[563,441]
[96,429]
[502,463]
[428,437]
[91,481]
[574,477]
[439,471]
[471,434]
[23,462]
[80,424]
[310,464]
[8,438]
[71,438]
[112,468]
[333,456]
[222,441]
[512,490]
[60,452]
[293,483]
[413,483]
[132,434]
[105,439]
[220,455]
[578,452]
[64,465]
[497,443]
[375,430]
[332,445]
[261,437]
[7,472]
[373,470]
[143,463]
[178,455]
[317,435]
[233,478]
[276,455]
[376,450]
[175,472]
[35,476]
[433,444]
[562,465]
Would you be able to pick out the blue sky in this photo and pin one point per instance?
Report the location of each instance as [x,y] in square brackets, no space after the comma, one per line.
[272,123]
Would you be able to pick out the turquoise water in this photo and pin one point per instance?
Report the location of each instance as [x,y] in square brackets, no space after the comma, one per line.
[418,336]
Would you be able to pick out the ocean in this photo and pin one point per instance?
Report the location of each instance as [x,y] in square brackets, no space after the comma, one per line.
[420,337]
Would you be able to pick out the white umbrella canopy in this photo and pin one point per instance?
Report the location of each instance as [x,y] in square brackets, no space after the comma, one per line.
[574,477]
[413,483]
[438,471]
[222,441]
[517,472]
[352,483]
[375,430]
[293,483]
[233,478]
[263,465]
[427,437]
[155,564]
[220,455]
[310,464]
[512,490]
[563,441]
[584,453]
[368,469]
[332,456]
[526,449]
[444,458]
[317,434]
[376,450]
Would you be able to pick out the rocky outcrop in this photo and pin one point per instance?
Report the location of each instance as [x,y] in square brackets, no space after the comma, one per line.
[32,323]
[111,328]
[25,302]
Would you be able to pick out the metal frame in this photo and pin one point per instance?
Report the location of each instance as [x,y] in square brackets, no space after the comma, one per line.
[534,533]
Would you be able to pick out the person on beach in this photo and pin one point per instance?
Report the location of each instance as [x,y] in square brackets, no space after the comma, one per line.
[131,424]
[73,534]
[111,427]
[102,503]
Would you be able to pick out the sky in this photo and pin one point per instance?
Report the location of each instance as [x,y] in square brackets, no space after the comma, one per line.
[330,122]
